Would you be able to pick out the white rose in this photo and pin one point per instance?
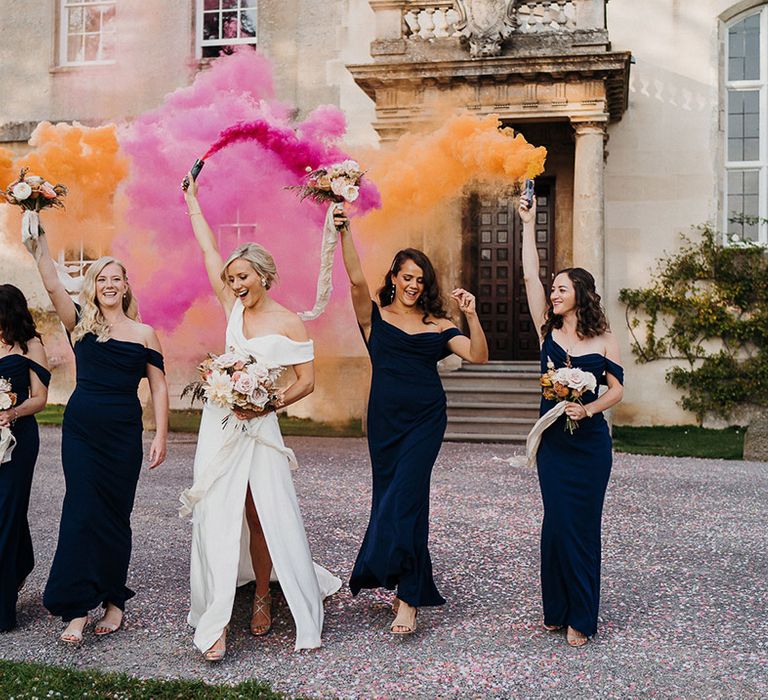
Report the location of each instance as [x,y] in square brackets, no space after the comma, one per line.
[350,192]
[258,372]
[228,359]
[5,402]
[259,397]
[5,385]
[21,190]
[243,383]
[338,184]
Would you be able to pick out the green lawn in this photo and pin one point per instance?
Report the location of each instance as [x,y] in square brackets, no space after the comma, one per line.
[680,441]
[23,681]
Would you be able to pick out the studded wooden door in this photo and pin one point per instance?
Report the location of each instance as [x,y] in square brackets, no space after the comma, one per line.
[496,263]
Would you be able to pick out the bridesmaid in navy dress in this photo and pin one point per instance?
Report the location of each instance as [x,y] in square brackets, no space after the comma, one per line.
[406,332]
[101,443]
[573,468]
[23,363]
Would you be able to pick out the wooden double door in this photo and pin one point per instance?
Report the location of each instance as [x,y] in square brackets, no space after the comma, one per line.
[494,249]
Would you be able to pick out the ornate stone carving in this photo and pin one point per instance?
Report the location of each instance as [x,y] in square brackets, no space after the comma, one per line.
[485,24]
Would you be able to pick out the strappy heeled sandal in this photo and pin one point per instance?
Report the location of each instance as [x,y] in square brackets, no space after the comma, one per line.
[215,655]
[575,640]
[395,605]
[404,620]
[73,637]
[552,628]
[262,605]
[103,629]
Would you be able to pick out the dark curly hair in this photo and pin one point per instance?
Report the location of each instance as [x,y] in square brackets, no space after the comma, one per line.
[431,300]
[591,320]
[16,322]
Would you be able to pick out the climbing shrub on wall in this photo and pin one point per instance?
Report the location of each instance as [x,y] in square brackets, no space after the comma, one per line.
[706,307]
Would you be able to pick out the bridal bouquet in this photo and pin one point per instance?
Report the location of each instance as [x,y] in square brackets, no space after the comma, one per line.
[234,380]
[32,193]
[566,384]
[7,400]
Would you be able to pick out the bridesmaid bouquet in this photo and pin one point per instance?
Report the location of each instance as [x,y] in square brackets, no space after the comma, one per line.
[566,384]
[234,380]
[7,400]
[32,193]
[335,183]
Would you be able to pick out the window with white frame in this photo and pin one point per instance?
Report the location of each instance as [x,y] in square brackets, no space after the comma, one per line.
[224,25]
[746,147]
[87,34]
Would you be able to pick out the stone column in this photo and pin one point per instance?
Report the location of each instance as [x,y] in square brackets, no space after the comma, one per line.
[589,200]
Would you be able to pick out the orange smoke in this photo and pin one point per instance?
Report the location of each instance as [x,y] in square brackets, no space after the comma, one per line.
[88,161]
[423,176]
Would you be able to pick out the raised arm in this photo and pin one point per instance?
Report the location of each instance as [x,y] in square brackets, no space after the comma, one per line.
[475,348]
[207,242]
[361,294]
[534,289]
[62,302]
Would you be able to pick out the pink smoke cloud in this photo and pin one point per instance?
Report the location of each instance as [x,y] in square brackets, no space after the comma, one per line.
[241,186]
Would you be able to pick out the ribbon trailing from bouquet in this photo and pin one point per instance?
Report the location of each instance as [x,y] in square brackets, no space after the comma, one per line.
[533,440]
[325,277]
[223,460]
[7,443]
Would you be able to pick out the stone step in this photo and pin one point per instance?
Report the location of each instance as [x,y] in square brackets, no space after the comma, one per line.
[489,426]
[509,409]
[501,367]
[490,380]
[498,393]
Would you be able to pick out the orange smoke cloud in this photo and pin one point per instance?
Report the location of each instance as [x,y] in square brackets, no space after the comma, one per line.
[88,161]
[423,176]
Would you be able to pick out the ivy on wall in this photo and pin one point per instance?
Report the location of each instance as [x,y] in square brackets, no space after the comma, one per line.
[706,307]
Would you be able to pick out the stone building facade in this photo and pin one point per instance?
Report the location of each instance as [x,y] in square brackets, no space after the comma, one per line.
[653,113]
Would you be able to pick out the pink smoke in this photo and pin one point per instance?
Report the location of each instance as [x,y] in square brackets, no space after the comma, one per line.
[244,182]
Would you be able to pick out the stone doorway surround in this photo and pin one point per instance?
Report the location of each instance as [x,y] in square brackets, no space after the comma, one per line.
[540,61]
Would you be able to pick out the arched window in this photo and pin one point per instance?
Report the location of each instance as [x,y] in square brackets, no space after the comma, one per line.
[746,128]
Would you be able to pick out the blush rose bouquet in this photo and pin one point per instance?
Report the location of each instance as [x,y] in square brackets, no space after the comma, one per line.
[236,381]
[566,384]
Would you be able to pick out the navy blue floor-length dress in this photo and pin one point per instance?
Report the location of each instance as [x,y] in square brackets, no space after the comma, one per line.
[406,424]
[101,453]
[16,556]
[573,476]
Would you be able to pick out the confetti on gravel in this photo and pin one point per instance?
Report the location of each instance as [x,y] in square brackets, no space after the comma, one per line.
[684,596]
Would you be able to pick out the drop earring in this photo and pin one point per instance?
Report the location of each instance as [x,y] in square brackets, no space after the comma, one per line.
[392,294]
[263,281]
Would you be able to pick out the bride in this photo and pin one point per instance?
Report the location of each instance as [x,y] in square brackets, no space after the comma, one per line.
[246,462]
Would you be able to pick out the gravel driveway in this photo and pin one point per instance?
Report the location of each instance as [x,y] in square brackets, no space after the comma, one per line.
[685,580]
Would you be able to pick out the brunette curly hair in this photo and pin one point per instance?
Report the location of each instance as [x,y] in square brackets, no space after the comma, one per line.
[591,320]
[16,322]
[431,299]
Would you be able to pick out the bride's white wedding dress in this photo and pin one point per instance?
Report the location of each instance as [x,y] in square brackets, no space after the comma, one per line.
[228,459]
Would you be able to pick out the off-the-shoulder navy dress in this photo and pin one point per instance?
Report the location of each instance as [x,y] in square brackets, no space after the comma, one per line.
[101,453]
[406,424]
[573,476]
[16,556]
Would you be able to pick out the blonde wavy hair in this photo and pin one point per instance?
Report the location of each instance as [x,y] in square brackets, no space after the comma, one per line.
[91,319]
[260,258]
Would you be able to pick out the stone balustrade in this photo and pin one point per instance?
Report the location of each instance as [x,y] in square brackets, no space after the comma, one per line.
[442,19]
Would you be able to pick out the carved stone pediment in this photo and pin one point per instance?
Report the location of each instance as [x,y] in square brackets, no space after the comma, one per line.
[485,24]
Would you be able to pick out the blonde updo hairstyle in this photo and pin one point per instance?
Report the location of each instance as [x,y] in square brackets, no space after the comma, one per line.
[260,259]
[91,319]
